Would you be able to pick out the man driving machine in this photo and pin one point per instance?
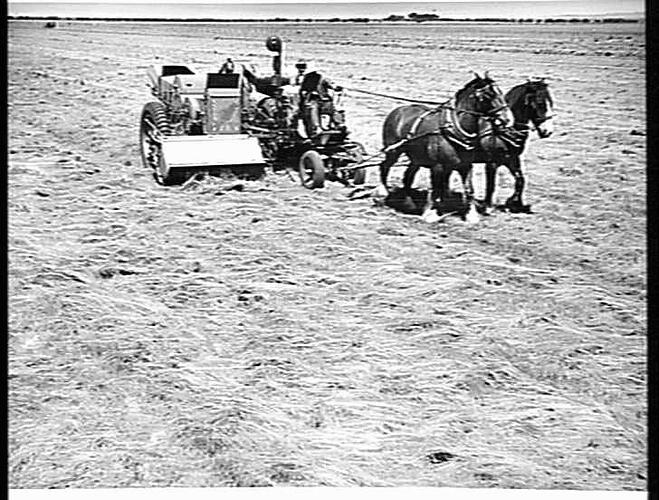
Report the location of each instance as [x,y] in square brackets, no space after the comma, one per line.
[316,102]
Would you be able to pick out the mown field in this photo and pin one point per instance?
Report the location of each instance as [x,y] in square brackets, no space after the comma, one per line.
[271,335]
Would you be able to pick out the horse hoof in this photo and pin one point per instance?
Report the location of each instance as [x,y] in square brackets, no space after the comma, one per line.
[409,206]
[380,192]
[483,208]
[522,209]
[430,217]
[516,207]
[472,217]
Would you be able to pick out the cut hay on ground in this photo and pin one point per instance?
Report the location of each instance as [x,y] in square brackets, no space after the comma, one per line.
[271,335]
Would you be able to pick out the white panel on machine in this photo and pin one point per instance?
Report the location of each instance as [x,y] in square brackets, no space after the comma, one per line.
[212,151]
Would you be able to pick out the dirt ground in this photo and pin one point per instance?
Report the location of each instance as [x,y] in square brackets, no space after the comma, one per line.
[280,336]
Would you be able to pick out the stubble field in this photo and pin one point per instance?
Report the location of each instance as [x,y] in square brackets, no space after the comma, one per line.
[279,336]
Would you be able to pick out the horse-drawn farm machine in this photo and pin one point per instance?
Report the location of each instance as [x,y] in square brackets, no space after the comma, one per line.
[233,120]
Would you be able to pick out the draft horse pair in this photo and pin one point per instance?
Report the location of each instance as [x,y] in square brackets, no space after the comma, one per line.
[480,125]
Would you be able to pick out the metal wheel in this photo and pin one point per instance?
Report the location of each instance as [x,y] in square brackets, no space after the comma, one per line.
[154,124]
[312,170]
[359,174]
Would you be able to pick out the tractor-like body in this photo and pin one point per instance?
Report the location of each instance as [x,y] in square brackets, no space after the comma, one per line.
[197,123]
[234,120]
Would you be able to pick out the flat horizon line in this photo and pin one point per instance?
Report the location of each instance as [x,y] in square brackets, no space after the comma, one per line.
[565,18]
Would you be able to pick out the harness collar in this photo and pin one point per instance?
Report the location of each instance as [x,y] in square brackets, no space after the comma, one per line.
[456,123]
[449,125]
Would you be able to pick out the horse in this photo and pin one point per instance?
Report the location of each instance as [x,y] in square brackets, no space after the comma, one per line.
[529,102]
[442,139]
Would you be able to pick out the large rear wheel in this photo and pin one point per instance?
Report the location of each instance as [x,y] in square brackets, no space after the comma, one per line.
[312,170]
[154,126]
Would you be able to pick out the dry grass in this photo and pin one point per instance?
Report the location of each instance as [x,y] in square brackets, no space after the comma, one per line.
[277,336]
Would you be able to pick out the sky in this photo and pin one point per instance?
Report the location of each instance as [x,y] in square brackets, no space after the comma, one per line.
[319,9]
[295,1]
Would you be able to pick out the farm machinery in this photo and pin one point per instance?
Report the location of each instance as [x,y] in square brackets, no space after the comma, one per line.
[234,120]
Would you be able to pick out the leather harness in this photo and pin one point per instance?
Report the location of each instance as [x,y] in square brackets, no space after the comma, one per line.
[449,128]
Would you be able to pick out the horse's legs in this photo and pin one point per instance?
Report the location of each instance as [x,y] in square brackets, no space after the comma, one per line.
[390,158]
[466,170]
[408,180]
[468,182]
[515,167]
[439,183]
[408,177]
[490,184]
[442,184]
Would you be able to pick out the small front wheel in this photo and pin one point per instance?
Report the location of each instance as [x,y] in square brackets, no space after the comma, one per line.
[358,151]
[359,176]
[312,170]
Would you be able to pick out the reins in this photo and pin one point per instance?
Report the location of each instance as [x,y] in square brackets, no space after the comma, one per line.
[546,118]
[440,105]
[462,138]
[398,98]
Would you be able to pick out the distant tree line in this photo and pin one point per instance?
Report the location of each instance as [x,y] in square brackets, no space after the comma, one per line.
[412,17]
[419,18]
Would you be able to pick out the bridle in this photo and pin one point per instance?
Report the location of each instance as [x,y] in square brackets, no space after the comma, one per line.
[480,95]
[516,134]
[531,100]
[452,127]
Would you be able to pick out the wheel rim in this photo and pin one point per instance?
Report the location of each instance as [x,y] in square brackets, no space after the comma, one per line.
[307,172]
[162,172]
[357,152]
[150,148]
[152,151]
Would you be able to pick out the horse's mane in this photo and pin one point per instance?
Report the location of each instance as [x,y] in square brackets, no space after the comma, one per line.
[519,91]
[476,83]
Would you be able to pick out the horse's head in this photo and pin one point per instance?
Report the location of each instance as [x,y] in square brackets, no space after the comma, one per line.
[536,105]
[482,96]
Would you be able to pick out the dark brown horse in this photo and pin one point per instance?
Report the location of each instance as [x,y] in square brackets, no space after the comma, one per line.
[530,102]
[442,139]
